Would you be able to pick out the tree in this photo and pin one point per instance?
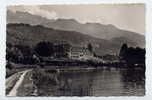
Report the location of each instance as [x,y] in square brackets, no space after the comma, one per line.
[25,49]
[44,49]
[132,55]
[123,51]
[62,50]
[90,48]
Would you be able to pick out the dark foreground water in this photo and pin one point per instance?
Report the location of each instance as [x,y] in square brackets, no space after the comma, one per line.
[101,82]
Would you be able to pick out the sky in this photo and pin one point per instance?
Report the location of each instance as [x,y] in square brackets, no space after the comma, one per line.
[124,16]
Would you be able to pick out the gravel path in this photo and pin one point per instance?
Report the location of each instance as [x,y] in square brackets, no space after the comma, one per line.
[14,90]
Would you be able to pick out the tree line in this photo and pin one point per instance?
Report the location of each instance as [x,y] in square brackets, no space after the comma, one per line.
[26,54]
[132,55]
[30,55]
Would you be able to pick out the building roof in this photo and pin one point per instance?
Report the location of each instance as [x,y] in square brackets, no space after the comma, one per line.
[78,49]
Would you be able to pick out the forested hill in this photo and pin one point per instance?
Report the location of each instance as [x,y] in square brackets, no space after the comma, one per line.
[32,34]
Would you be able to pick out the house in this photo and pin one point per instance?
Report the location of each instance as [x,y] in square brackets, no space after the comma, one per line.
[80,53]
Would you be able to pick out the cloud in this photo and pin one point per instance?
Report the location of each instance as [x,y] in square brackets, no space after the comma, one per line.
[34,10]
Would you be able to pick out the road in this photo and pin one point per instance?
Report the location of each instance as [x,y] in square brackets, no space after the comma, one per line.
[23,84]
[14,91]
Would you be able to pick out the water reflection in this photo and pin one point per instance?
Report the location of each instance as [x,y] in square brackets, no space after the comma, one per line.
[133,81]
[77,83]
[101,82]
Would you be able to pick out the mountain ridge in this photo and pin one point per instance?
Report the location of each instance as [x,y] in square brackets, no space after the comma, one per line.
[26,34]
[97,30]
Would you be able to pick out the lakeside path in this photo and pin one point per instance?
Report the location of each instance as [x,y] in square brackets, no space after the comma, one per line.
[14,90]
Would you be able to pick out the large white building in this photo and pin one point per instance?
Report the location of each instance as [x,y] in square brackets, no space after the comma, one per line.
[80,53]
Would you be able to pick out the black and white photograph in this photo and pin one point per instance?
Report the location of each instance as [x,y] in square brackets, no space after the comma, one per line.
[55,50]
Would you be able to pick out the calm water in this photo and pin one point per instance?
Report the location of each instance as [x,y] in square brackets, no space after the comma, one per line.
[102,82]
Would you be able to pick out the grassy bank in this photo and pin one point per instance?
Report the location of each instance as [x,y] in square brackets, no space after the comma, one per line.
[44,78]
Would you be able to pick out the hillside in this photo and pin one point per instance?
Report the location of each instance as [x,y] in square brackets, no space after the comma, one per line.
[30,35]
[106,32]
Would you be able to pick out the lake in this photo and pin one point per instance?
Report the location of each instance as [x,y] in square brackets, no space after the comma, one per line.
[99,82]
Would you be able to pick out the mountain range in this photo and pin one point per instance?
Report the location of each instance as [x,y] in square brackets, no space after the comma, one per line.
[105,38]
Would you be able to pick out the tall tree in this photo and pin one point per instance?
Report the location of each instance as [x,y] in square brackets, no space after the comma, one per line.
[123,51]
[90,48]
